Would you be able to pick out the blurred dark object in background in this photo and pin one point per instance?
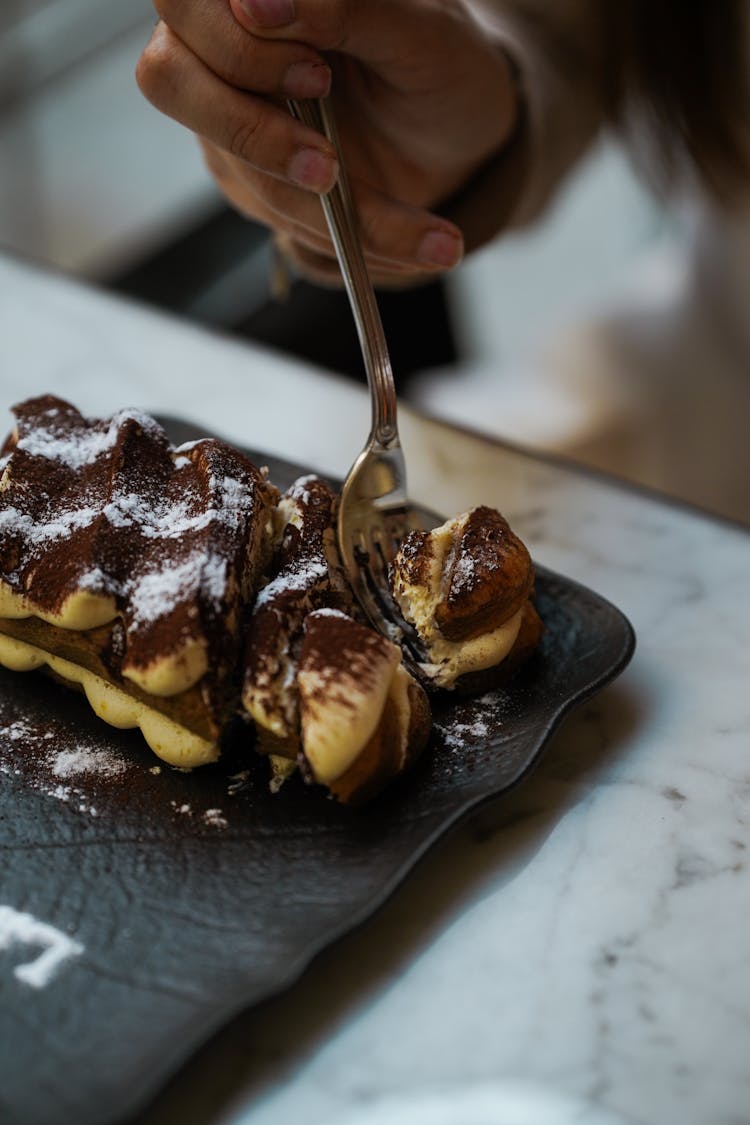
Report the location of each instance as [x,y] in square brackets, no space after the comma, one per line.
[219,274]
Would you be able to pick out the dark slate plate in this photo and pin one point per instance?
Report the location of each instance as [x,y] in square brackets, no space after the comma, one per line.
[196,895]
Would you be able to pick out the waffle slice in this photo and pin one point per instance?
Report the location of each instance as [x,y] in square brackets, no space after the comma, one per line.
[125,567]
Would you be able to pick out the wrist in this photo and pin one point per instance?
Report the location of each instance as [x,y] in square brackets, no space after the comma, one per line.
[485,204]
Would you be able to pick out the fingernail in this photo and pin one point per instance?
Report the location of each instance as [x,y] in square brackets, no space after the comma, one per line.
[307,80]
[311,168]
[440,248]
[269,13]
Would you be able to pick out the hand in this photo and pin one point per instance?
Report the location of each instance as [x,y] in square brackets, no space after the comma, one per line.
[422,99]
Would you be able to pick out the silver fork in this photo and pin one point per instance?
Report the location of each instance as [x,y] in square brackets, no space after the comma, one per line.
[374,514]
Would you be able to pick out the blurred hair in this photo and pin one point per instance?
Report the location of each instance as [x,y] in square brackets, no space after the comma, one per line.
[681,66]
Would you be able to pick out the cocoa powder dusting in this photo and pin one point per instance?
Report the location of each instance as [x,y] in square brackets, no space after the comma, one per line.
[110,507]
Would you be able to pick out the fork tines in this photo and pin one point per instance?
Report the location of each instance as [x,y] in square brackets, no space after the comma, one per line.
[373,592]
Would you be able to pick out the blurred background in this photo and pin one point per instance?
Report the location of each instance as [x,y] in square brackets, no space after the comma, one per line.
[614,332]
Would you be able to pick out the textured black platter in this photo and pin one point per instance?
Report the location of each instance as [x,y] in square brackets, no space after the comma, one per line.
[192,896]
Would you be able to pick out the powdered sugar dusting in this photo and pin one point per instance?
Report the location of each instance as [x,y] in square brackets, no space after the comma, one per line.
[232,497]
[302,577]
[95,580]
[19,928]
[300,493]
[215,818]
[38,533]
[167,521]
[21,729]
[75,452]
[471,723]
[157,592]
[210,818]
[77,449]
[70,763]
[174,519]
[100,783]
[190,511]
[214,574]
[457,734]
[463,575]
[52,763]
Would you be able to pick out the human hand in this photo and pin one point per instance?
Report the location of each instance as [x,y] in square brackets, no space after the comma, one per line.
[422,99]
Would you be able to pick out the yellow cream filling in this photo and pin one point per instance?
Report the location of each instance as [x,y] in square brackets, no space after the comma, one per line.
[281,770]
[80,611]
[419,601]
[338,718]
[171,674]
[450,659]
[169,741]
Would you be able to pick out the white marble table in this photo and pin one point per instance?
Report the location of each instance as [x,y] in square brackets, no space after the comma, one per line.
[577,953]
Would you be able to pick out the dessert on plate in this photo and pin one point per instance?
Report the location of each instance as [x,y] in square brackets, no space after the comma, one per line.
[179,590]
[125,565]
[325,691]
[466,590]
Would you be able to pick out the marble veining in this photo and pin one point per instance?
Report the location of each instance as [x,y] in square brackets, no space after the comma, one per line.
[586,936]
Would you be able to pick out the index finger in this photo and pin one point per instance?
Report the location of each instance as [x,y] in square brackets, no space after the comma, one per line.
[357,27]
[234,54]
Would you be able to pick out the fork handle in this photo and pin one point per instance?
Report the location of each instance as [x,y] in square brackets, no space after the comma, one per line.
[341,218]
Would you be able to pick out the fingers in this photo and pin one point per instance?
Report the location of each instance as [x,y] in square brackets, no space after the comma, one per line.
[222,77]
[394,37]
[268,165]
[358,27]
[397,239]
[437,55]
[322,270]
[325,270]
[250,128]
[212,33]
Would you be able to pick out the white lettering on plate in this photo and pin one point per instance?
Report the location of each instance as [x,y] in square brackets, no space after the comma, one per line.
[17,928]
